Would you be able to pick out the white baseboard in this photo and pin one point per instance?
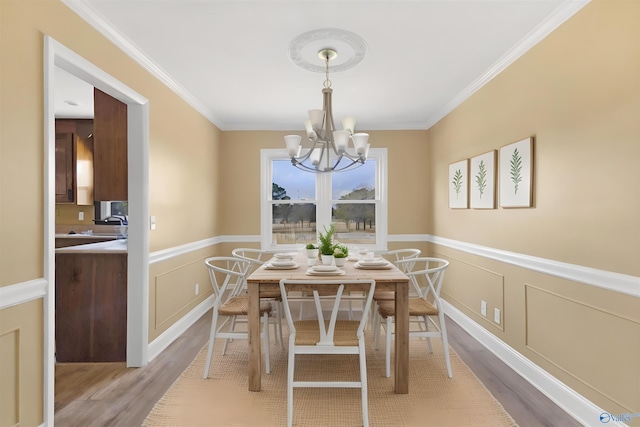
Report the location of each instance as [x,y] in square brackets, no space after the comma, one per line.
[583,410]
[158,345]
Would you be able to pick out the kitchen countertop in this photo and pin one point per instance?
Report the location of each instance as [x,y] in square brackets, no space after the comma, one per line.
[95,236]
[108,247]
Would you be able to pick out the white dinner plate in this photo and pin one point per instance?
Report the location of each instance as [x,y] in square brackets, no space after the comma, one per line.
[373,261]
[284,255]
[324,268]
[386,266]
[281,266]
[336,272]
[282,262]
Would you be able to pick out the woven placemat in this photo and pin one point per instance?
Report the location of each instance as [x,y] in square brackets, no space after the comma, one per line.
[224,400]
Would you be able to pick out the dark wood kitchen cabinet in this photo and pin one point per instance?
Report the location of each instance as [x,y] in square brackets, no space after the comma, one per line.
[109,147]
[91,307]
[74,161]
[65,168]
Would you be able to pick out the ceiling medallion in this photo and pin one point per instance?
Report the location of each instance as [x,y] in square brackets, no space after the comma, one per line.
[303,50]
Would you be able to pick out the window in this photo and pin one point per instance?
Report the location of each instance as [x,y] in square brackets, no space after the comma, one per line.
[295,203]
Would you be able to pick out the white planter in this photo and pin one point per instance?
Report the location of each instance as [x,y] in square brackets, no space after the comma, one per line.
[312,253]
[339,261]
[327,259]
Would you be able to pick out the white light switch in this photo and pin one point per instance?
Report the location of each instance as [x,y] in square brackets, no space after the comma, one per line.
[496,315]
[81,215]
[152,223]
[483,308]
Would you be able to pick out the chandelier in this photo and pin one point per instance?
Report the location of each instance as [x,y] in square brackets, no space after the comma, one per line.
[329,149]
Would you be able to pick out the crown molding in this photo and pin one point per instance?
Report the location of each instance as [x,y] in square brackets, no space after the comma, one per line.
[85,11]
[561,14]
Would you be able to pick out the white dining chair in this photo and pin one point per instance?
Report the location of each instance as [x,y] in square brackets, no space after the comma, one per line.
[257,258]
[393,256]
[426,278]
[229,304]
[328,337]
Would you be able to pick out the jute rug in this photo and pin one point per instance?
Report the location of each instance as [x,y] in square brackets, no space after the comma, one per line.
[224,399]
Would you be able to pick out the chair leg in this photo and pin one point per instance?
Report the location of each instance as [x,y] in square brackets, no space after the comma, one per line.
[363,384]
[376,330]
[292,361]
[445,343]
[280,308]
[388,349]
[212,337]
[266,338]
[274,310]
[228,340]
[426,328]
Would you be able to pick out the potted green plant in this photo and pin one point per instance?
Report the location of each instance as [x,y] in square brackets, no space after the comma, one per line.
[312,250]
[340,254]
[326,244]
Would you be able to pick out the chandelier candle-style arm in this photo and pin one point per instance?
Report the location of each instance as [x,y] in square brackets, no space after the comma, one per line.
[329,150]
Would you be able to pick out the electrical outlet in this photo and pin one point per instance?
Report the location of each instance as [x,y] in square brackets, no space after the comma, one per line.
[81,216]
[483,308]
[197,288]
[496,315]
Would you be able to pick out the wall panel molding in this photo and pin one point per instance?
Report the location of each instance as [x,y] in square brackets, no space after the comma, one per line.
[174,331]
[576,405]
[575,333]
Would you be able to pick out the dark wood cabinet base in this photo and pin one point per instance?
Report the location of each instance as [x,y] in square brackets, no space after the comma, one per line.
[91,307]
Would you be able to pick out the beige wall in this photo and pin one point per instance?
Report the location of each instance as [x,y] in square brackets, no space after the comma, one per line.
[407,152]
[578,94]
[183,179]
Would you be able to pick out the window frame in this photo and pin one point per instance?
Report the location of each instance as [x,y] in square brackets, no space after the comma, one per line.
[323,200]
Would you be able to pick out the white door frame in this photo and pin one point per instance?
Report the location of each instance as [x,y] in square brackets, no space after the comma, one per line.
[57,55]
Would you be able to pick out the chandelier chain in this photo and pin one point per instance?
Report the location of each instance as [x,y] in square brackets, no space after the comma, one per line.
[327,82]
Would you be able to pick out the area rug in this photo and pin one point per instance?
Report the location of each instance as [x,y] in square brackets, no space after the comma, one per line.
[224,400]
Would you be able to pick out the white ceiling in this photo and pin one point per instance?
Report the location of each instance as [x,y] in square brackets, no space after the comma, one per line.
[229,59]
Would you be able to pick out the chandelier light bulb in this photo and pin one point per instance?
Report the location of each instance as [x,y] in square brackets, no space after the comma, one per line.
[349,123]
[292,142]
[360,142]
[341,139]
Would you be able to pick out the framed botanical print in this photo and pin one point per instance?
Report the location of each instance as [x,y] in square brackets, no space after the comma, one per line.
[482,181]
[458,184]
[516,174]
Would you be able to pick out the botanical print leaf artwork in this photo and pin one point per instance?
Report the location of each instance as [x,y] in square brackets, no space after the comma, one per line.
[458,183]
[483,171]
[516,174]
[481,178]
[516,170]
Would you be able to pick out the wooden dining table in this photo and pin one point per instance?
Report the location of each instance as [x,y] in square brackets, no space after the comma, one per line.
[265,281]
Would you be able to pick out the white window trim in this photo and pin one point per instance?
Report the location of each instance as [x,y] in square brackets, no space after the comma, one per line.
[324,205]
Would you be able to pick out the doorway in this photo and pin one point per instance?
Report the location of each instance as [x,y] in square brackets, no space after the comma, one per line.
[57,55]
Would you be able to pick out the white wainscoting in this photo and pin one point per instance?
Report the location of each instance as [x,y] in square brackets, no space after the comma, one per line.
[569,400]
[565,397]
